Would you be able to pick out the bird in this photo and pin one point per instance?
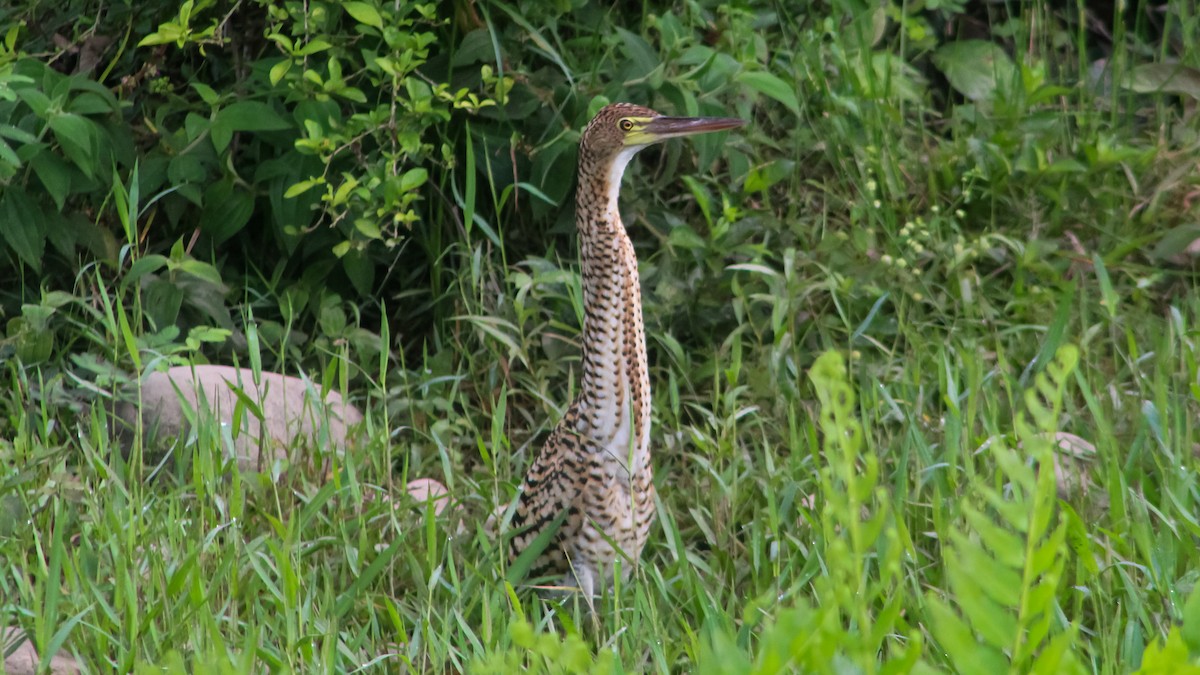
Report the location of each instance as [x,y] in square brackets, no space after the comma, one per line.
[587,499]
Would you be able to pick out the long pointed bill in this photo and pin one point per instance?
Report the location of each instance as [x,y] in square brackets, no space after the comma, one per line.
[661,128]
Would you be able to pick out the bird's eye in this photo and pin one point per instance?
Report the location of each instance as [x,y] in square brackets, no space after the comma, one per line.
[626,125]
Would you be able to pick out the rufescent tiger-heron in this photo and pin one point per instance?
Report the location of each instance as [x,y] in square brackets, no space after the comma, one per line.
[588,499]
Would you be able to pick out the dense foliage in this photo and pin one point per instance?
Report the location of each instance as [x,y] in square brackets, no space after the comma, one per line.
[922,333]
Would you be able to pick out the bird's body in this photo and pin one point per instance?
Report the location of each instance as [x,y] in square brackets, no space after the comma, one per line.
[590,492]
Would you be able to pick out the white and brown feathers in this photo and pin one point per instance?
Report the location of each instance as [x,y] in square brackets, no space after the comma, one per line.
[592,480]
[588,499]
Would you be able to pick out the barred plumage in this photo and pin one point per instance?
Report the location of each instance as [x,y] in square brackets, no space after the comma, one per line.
[593,477]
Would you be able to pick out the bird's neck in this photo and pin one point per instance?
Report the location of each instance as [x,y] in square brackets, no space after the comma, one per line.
[615,389]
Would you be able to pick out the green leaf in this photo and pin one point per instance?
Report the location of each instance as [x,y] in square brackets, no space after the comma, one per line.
[1175,241]
[36,99]
[186,168]
[413,179]
[364,13]
[227,209]
[1001,583]
[64,234]
[144,265]
[368,228]
[772,87]
[1169,658]
[1056,657]
[1007,547]
[244,116]
[89,103]
[8,156]
[195,125]
[201,270]
[1081,543]
[302,187]
[995,625]
[55,176]
[75,135]
[1191,620]
[207,93]
[19,135]
[1056,332]
[279,70]
[977,69]
[162,301]
[1167,78]
[1108,295]
[166,34]
[360,271]
[313,47]
[22,228]
[763,177]
[641,57]
[959,642]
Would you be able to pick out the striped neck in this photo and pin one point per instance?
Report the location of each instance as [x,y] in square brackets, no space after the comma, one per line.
[614,390]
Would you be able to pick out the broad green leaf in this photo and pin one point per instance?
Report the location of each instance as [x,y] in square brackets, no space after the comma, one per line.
[302,187]
[763,177]
[1167,78]
[8,156]
[201,270]
[685,237]
[1040,598]
[162,300]
[314,47]
[55,176]
[1007,547]
[22,229]
[956,638]
[64,234]
[995,624]
[166,34]
[195,125]
[772,87]
[186,168]
[227,209]
[244,116]
[977,69]
[1056,657]
[413,179]
[364,13]
[1191,620]
[1169,658]
[999,582]
[1080,542]
[1175,241]
[75,135]
[36,99]
[90,103]
[641,57]
[251,116]
[361,272]
[368,228]
[19,135]
[279,70]
[144,265]
[207,93]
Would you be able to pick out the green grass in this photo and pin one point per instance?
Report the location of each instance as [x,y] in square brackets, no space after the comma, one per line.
[988,272]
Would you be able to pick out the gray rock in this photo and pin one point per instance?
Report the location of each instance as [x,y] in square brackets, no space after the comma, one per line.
[292,417]
[25,660]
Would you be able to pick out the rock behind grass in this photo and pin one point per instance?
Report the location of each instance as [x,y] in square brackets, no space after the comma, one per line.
[293,413]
